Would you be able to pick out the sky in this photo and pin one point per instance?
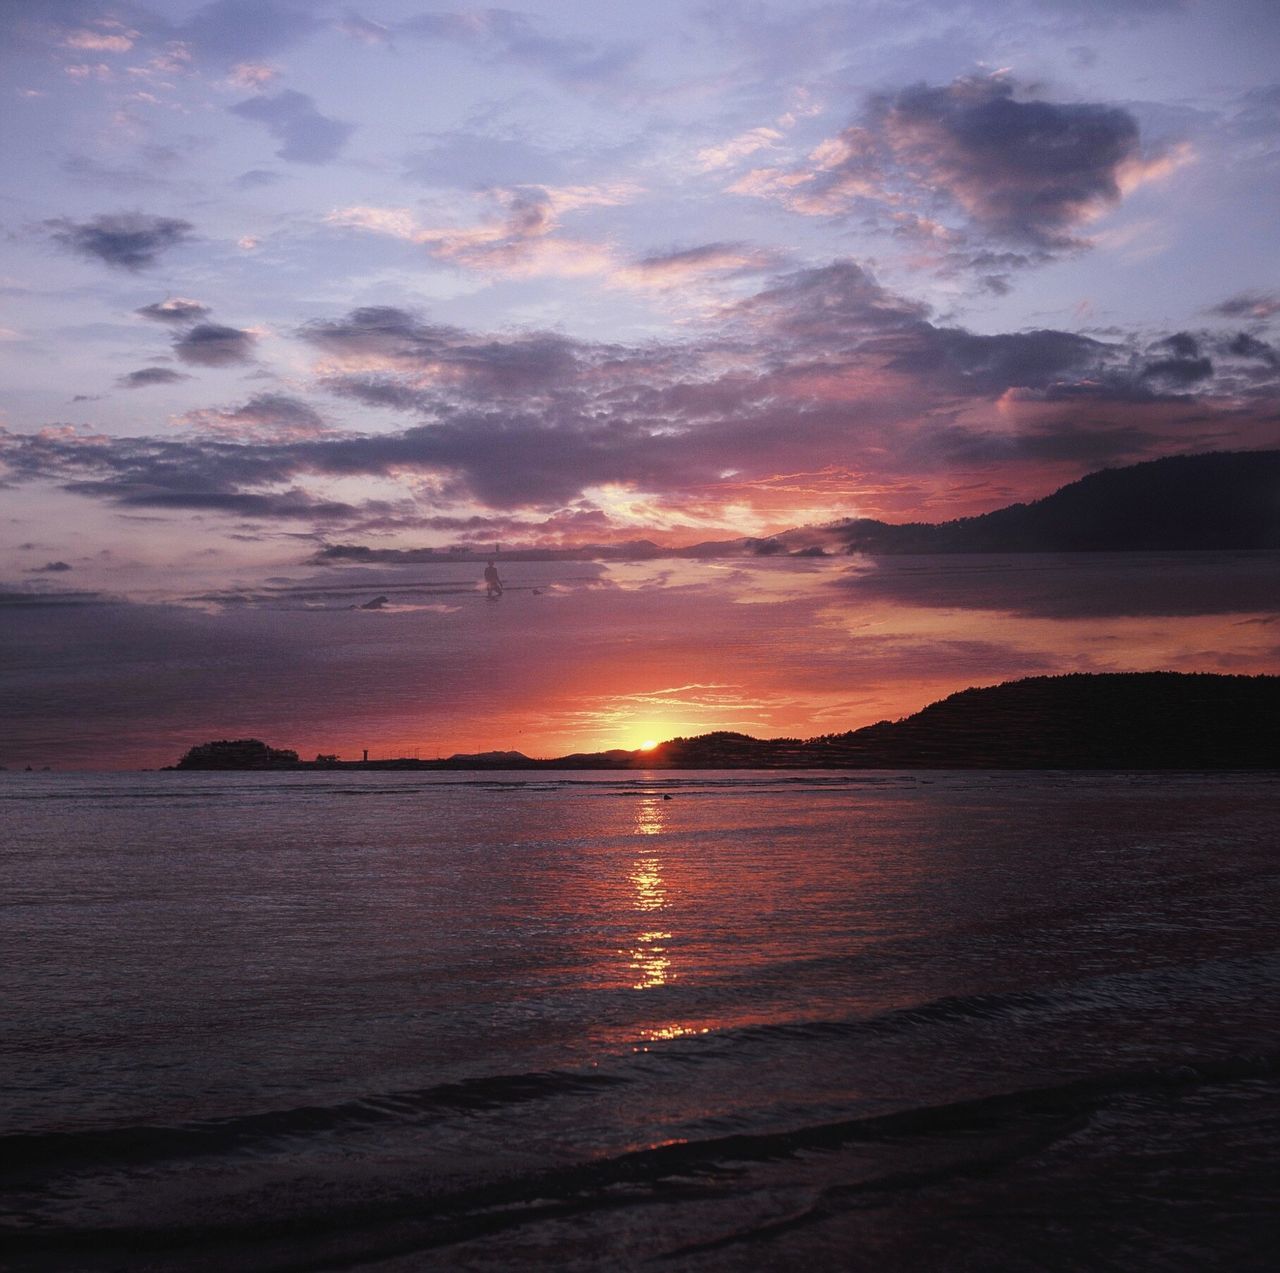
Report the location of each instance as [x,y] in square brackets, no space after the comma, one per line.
[287,288]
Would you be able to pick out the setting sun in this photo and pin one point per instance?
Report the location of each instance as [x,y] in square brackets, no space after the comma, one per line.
[649,744]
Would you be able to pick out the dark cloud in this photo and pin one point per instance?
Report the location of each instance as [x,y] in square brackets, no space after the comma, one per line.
[1020,171]
[145,377]
[176,309]
[229,31]
[1243,345]
[836,304]
[212,345]
[265,415]
[1259,305]
[290,504]
[992,364]
[1184,364]
[1027,171]
[306,136]
[682,265]
[125,240]
[401,340]
[1110,585]
[822,370]
[50,568]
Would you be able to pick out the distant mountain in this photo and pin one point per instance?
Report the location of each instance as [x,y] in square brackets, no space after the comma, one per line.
[1221,500]
[1218,500]
[1115,720]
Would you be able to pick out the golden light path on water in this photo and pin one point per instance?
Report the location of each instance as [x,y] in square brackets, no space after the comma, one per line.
[649,961]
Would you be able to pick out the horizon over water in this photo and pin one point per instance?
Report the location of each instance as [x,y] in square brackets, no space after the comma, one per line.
[729,1020]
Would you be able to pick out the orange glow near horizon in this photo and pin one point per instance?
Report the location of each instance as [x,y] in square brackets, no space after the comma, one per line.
[629,655]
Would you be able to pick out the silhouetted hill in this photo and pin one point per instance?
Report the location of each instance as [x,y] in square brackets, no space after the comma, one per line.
[1119,720]
[1125,720]
[1221,500]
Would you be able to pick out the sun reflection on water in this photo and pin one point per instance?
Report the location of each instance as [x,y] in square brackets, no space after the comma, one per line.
[646,879]
[649,816]
[649,962]
[655,1034]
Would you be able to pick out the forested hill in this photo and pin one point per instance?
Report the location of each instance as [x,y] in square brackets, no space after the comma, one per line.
[1222,500]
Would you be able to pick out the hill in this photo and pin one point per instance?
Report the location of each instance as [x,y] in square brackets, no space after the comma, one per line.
[1220,500]
[1118,720]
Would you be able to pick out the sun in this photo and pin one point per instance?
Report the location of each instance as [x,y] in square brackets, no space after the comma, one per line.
[649,744]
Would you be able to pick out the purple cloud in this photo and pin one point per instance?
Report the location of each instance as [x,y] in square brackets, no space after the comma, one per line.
[175,309]
[306,136]
[212,345]
[230,31]
[145,377]
[1018,171]
[824,368]
[265,415]
[124,240]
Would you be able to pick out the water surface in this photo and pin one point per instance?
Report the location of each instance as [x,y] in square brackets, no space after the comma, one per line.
[734,1019]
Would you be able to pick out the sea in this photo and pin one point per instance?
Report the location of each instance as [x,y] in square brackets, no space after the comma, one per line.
[673,1020]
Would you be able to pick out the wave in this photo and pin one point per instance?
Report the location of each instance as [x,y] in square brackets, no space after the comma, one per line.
[915,1147]
[38,1153]
[24,1154]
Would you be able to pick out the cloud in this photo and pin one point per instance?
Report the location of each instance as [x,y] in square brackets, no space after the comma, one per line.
[1181,362]
[1259,305]
[1030,173]
[1092,586]
[672,269]
[823,390]
[237,31]
[265,415]
[994,364]
[1025,171]
[105,37]
[256,178]
[148,376]
[306,136]
[1243,345]
[509,36]
[365,30]
[435,358]
[50,568]
[518,240]
[212,345]
[252,75]
[739,147]
[124,240]
[174,309]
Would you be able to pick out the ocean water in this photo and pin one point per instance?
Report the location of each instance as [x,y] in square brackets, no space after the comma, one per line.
[692,1020]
